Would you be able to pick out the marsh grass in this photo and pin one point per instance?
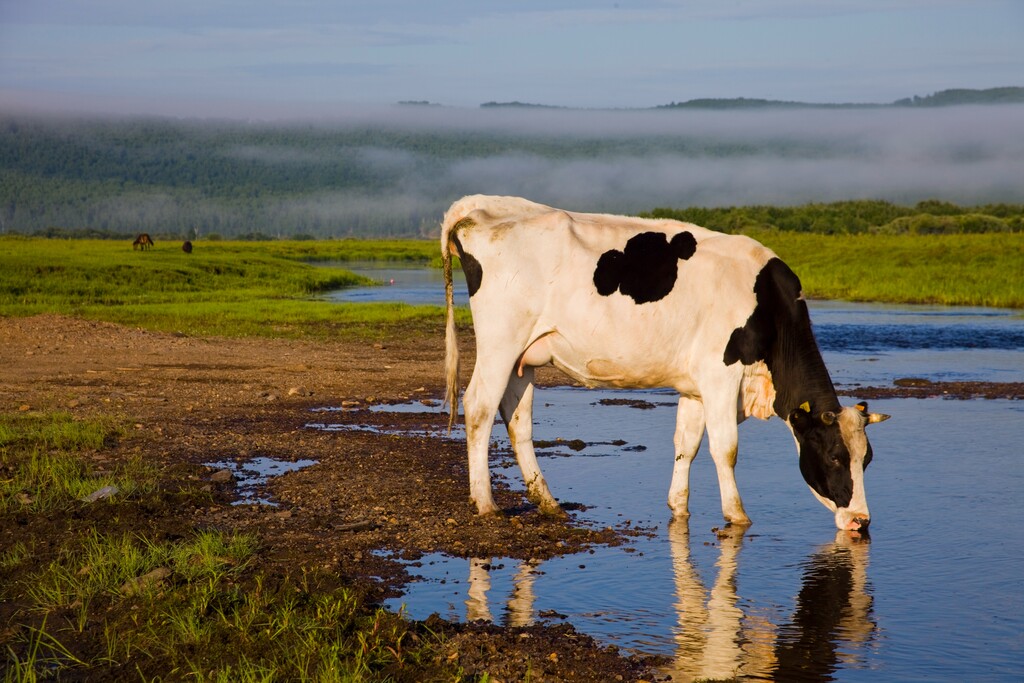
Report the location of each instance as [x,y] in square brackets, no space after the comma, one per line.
[210,619]
[957,270]
[56,431]
[41,456]
[264,289]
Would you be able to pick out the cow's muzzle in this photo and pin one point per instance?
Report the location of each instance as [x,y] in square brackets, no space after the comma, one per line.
[852,521]
[858,523]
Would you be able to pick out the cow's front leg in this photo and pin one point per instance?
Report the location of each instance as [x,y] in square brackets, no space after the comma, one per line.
[689,432]
[517,412]
[480,403]
[723,439]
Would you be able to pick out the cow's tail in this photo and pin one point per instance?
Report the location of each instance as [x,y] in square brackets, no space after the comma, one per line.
[451,340]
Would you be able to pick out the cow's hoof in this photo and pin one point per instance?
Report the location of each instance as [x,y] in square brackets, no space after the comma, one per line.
[739,521]
[553,510]
[488,510]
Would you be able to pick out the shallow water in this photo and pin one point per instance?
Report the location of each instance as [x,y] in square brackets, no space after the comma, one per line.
[937,593]
[251,476]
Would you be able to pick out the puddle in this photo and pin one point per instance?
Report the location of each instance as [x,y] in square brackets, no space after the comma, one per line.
[252,475]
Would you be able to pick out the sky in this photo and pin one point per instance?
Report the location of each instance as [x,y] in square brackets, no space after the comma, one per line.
[314,58]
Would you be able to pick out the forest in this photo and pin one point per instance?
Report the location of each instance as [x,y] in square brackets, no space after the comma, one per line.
[392,173]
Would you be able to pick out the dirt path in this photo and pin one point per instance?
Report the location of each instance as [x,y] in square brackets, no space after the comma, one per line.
[193,401]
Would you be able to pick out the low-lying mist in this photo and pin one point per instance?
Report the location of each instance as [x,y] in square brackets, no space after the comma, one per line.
[401,166]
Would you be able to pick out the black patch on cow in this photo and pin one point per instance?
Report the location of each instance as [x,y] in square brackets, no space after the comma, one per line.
[646,269]
[470,266]
[779,333]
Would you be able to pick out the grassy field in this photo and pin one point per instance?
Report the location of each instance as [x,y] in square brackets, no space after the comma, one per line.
[271,289]
[957,270]
[222,288]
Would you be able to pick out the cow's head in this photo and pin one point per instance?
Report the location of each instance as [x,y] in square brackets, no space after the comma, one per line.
[834,452]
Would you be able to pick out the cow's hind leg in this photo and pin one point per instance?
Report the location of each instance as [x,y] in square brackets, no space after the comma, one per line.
[480,405]
[689,432]
[723,440]
[517,412]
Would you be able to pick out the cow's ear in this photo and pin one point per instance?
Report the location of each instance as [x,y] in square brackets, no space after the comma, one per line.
[828,417]
[800,419]
[871,417]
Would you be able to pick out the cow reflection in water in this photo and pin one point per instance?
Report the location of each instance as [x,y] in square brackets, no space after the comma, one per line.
[719,637]
[520,605]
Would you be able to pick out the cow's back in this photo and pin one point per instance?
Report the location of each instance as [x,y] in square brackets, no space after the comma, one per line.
[632,301]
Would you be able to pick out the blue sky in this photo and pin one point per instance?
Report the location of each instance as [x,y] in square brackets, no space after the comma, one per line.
[263,59]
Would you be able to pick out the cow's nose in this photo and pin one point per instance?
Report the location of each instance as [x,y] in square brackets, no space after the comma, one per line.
[859,523]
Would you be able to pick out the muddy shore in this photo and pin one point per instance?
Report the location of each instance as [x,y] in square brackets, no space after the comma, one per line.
[195,406]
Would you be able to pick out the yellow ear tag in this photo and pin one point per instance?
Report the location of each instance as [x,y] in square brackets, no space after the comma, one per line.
[805,406]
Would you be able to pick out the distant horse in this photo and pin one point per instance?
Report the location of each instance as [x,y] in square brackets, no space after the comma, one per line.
[143,241]
[187,247]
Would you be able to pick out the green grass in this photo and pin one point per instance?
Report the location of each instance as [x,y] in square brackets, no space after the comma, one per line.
[41,466]
[209,618]
[222,288]
[960,270]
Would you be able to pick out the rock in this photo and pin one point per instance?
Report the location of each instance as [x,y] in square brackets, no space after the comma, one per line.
[362,525]
[100,494]
[141,583]
[24,498]
[222,476]
[912,382]
[299,391]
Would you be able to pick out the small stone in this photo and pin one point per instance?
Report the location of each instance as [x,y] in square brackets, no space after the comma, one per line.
[451,522]
[100,494]
[24,407]
[25,499]
[136,585]
[222,476]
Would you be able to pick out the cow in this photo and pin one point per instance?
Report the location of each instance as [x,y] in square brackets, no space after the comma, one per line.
[143,241]
[186,246]
[625,302]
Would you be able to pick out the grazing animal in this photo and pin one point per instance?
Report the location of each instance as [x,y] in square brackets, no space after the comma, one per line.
[143,241]
[616,301]
[187,247]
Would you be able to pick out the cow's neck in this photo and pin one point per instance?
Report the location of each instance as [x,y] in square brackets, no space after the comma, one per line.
[798,370]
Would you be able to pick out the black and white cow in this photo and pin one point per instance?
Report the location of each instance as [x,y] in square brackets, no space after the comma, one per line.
[616,301]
